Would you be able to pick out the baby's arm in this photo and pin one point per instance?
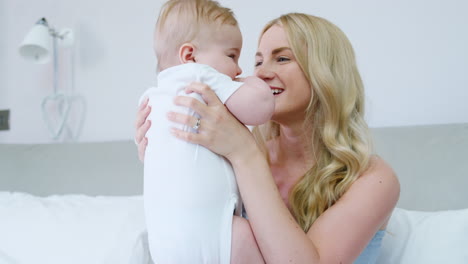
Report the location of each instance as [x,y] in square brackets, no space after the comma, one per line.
[253,103]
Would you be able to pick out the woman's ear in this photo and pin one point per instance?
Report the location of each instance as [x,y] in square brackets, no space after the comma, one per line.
[187,53]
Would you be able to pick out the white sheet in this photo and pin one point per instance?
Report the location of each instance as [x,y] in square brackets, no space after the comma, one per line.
[426,237]
[71,229]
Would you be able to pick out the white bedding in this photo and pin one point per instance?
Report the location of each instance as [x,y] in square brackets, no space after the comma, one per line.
[426,237]
[71,229]
[103,230]
[429,160]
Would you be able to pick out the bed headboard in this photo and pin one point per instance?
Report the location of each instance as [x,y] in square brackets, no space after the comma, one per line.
[430,161]
[101,168]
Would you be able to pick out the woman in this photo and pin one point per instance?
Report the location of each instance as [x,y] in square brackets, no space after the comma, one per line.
[311,188]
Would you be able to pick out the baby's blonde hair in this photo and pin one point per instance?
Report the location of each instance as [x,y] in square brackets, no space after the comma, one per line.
[337,133]
[180,21]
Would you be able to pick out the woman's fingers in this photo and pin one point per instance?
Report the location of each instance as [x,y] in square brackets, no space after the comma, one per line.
[192,103]
[141,131]
[143,104]
[142,125]
[218,130]
[142,148]
[184,119]
[203,109]
[208,95]
[187,136]
[143,111]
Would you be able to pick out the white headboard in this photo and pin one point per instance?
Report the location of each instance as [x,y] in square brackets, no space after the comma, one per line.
[431,162]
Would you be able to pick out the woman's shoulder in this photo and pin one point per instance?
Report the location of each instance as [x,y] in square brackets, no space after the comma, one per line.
[379,168]
[377,190]
[380,177]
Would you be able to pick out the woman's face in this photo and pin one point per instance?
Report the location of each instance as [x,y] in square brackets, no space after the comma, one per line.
[277,66]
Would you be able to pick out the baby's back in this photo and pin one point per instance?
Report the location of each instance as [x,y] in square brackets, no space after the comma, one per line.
[189,191]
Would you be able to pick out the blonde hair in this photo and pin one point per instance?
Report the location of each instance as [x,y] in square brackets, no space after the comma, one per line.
[338,135]
[181,21]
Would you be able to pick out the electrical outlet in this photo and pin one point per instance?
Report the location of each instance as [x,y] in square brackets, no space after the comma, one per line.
[4,119]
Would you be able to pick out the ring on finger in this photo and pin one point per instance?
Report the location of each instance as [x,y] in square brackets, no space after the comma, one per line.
[197,125]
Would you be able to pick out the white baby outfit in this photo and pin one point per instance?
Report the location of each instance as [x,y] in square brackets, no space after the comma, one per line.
[190,193]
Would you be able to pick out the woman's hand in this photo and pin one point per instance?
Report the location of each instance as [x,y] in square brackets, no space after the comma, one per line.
[219,130]
[142,126]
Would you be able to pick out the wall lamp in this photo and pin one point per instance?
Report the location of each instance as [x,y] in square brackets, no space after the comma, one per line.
[38,46]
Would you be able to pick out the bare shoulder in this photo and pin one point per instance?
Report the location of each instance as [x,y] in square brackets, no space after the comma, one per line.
[381,181]
[377,189]
[366,207]
[380,172]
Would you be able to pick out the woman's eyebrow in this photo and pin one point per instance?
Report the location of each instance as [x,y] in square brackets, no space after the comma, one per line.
[274,52]
[278,50]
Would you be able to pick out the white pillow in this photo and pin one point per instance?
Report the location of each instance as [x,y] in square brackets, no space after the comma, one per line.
[72,229]
[426,237]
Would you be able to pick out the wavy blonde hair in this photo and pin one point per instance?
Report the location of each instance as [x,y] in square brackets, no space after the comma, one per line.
[338,135]
[181,21]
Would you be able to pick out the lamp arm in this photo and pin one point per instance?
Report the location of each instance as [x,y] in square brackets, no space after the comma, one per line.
[55,65]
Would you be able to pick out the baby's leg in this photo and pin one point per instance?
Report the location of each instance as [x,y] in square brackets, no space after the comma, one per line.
[244,248]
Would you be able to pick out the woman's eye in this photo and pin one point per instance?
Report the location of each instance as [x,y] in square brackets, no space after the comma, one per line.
[283,59]
[258,63]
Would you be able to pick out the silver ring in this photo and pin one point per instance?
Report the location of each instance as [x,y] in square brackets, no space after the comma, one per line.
[197,125]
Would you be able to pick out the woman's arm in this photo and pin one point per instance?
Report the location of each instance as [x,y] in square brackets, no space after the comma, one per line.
[279,237]
[338,236]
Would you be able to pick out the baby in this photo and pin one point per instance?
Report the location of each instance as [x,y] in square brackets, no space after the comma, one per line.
[190,193]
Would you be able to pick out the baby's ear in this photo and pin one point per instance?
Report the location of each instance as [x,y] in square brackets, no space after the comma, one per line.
[187,53]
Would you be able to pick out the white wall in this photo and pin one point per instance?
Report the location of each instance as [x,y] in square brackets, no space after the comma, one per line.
[412,56]
[3,53]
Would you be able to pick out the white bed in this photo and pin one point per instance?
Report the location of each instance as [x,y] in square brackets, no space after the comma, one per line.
[81,203]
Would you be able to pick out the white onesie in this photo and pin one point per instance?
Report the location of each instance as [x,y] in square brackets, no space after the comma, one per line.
[190,193]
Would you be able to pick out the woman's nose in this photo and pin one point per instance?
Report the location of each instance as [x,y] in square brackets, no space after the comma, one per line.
[264,73]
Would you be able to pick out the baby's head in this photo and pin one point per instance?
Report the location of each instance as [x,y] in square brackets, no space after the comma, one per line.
[199,31]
